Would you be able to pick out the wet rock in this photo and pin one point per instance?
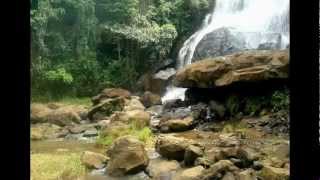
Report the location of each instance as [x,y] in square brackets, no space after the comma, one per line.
[191,154]
[218,43]
[217,108]
[173,103]
[150,99]
[248,66]
[137,117]
[127,156]
[176,125]
[269,46]
[158,166]
[257,165]
[93,160]
[156,110]
[78,129]
[92,132]
[103,123]
[272,173]
[171,147]
[177,113]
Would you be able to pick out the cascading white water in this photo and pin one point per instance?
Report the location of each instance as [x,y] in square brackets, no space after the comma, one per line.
[255,20]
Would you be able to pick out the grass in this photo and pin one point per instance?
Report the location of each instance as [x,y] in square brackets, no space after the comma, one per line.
[143,134]
[86,101]
[56,166]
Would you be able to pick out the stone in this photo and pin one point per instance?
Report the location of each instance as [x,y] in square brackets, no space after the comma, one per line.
[204,162]
[139,118]
[127,156]
[150,99]
[218,43]
[191,154]
[177,125]
[220,166]
[78,129]
[189,174]
[217,108]
[92,132]
[272,173]
[44,131]
[228,176]
[248,154]
[248,174]
[39,113]
[110,93]
[247,66]
[133,104]
[159,166]
[171,147]
[106,108]
[93,160]
[257,165]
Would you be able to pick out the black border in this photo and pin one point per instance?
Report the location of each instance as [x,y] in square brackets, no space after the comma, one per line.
[304,88]
[304,79]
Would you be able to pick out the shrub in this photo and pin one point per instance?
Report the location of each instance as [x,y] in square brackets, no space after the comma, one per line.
[280,101]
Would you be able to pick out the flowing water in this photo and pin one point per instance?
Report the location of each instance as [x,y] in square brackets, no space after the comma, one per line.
[255,20]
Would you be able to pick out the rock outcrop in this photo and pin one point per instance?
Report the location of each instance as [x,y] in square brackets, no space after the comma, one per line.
[248,66]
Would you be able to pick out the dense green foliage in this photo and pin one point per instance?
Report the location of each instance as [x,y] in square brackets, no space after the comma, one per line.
[79,47]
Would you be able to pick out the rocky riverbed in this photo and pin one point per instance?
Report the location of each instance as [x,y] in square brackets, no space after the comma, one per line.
[232,126]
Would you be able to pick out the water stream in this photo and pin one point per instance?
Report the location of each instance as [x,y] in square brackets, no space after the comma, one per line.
[254,20]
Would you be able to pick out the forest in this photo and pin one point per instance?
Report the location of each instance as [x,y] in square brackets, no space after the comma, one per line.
[80,47]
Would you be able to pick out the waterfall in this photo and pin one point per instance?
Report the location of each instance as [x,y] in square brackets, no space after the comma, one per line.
[255,20]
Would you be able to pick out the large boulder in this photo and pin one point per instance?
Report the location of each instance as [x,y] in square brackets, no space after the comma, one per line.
[106,108]
[93,160]
[157,82]
[63,117]
[176,125]
[133,104]
[172,147]
[127,156]
[216,169]
[248,66]
[39,113]
[159,166]
[219,42]
[138,118]
[43,131]
[225,41]
[110,93]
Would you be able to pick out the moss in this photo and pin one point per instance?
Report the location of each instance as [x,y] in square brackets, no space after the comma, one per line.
[52,166]
[143,134]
